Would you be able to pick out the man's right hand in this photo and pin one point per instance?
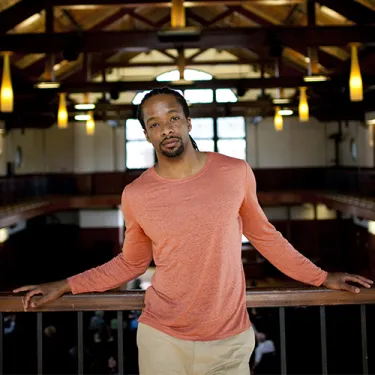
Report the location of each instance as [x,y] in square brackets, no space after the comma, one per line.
[50,292]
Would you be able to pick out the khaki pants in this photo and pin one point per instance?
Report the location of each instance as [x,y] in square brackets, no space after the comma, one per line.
[162,354]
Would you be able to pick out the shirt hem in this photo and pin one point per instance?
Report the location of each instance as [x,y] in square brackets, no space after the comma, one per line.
[171,332]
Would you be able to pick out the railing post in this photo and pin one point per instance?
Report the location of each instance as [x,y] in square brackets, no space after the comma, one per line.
[39,340]
[282,340]
[1,344]
[80,341]
[364,341]
[120,343]
[323,339]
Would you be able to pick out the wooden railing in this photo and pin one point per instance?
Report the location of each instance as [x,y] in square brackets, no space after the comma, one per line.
[133,300]
[346,180]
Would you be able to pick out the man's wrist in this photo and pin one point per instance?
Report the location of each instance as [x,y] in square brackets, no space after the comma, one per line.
[324,283]
[65,286]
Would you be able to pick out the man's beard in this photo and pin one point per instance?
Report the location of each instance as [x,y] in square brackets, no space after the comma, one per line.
[174,152]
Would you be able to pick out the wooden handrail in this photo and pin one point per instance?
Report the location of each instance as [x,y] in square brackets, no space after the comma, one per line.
[133,300]
[359,206]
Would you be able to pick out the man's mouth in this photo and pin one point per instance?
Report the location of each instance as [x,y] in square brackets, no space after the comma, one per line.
[170,142]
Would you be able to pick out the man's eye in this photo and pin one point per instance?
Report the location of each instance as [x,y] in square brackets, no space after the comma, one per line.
[154,125]
[175,118]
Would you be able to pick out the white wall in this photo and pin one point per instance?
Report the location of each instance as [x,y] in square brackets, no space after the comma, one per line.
[359,133]
[59,149]
[305,144]
[71,150]
[297,145]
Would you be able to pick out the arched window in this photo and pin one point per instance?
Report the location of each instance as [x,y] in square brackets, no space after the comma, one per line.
[226,135]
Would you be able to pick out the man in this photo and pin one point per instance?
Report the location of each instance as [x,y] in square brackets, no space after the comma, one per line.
[188,212]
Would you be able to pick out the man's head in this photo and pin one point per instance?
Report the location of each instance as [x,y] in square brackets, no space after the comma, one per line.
[165,119]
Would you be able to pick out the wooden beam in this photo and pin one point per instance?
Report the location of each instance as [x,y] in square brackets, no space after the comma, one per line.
[327,60]
[22,10]
[250,37]
[178,17]
[134,300]
[72,20]
[167,3]
[352,10]
[36,69]
[246,83]
[337,82]
[142,19]
[189,62]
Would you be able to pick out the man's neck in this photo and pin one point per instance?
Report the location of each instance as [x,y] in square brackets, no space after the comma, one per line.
[185,165]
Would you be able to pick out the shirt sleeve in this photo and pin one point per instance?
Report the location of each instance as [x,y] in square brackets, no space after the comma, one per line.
[270,242]
[132,262]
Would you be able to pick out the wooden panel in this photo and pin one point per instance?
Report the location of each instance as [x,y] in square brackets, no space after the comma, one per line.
[99,238]
[346,180]
[289,178]
[254,298]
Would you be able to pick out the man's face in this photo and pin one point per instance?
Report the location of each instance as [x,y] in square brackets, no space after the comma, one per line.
[167,128]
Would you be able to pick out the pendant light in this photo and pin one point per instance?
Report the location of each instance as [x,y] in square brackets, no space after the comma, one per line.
[278,120]
[62,114]
[90,124]
[6,95]
[355,82]
[303,107]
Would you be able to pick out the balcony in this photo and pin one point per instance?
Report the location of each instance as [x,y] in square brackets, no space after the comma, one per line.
[315,330]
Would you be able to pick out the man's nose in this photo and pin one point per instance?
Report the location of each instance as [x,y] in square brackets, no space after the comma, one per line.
[167,128]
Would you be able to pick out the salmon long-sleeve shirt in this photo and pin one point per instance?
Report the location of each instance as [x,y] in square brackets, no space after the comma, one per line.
[193,228]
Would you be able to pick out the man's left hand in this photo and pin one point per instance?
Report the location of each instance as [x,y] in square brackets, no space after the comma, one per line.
[338,281]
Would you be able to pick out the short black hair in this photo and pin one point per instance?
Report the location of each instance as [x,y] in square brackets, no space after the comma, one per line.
[165,91]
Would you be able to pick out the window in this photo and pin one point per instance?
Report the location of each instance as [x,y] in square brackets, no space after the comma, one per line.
[139,152]
[227,137]
[231,133]
[203,133]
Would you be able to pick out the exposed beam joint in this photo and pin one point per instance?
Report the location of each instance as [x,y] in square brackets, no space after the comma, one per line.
[250,37]
[168,3]
[178,18]
[247,83]
[12,16]
[72,20]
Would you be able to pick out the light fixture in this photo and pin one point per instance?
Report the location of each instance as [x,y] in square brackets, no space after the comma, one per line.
[47,85]
[285,112]
[355,81]
[84,106]
[303,107]
[6,86]
[278,120]
[371,227]
[82,117]
[371,136]
[183,82]
[90,124]
[4,234]
[370,122]
[62,113]
[281,101]
[319,78]
[1,141]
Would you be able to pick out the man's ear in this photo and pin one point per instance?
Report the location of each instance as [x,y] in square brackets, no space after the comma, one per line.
[189,124]
[146,135]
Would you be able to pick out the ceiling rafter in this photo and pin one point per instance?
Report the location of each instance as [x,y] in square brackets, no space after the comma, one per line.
[14,15]
[352,10]
[37,68]
[72,20]
[327,60]
[167,3]
[246,83]
[361,15]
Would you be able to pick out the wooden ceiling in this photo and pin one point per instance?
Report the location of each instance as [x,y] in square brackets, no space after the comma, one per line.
[84,41]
